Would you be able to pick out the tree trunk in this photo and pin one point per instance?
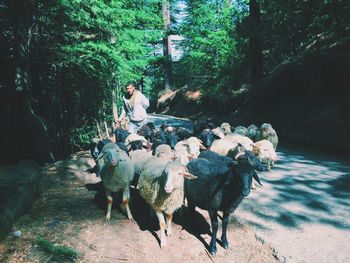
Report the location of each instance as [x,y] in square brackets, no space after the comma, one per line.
[167,46]
[256,60]
[33,141]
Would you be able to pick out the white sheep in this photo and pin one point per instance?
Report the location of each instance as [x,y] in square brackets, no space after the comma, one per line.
[267,132]
[226,127]
[139,158]
[219,132]
[117,171]
[189,148]
[222,146]
[161,184]
[265,152]
[239,139]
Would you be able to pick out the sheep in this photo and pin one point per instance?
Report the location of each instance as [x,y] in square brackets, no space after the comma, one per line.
[207,137]
[141,157]
[188,149]
[135,137]
[265,152]
[267,132]
[120,135]
[241,130]
[183,133]
[146,130]
[221,184]
[170,135]
[218,132]
[243,140]
[117,171]
[135,145]
[252,131]
[222,146]
[200,125]
[226,127]
[161,184]
[96,147]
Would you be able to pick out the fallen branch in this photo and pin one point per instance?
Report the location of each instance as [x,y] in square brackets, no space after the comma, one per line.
[93,247]
[135,249]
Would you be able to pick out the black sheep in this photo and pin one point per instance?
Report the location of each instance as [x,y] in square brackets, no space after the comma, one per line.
[121,135]
[183,133]
[207,137]
[221,185]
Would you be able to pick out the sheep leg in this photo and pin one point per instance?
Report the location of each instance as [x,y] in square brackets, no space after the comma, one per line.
[214,225]
[162,228]
[169,219]
[191,212]
[224,230]
[126,196]
[109,203]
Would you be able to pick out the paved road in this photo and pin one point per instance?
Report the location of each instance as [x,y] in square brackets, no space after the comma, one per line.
[303,209]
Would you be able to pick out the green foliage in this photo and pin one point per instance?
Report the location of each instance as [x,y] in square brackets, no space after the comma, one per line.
[56,251]
[211,47]
[217,54]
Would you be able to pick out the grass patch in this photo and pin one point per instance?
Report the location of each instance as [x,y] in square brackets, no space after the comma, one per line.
[56,251]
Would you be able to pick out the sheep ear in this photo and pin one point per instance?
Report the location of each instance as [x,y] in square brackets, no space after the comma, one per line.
[216,137]
[239,154]
[256,177]
[201,146]
[189,175]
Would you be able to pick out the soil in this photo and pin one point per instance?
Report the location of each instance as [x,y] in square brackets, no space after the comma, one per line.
[69,214]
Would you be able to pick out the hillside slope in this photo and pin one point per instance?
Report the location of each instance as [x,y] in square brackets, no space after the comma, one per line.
[307,100]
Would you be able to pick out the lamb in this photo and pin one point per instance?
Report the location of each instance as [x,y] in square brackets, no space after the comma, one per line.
[222,146]
[265,152]
[221,184]
[267,132]
[117,171]
[161,184]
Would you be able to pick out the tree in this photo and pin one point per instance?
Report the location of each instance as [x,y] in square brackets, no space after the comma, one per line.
[167,50]
[256,60]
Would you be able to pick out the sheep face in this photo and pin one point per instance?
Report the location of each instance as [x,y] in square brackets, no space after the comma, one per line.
[247,164]
[171,139]
[111,157]
[175,173]
[207,136]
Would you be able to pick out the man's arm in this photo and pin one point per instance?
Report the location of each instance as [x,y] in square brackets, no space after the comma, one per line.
[145,101]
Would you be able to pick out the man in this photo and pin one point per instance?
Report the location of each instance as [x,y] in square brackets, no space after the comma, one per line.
[134,106]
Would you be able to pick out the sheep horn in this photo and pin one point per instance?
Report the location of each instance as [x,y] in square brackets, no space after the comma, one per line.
[256,177]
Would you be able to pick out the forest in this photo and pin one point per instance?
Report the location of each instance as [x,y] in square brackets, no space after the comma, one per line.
[65,63]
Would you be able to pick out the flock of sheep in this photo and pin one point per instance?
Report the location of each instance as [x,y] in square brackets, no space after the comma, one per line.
[212,169]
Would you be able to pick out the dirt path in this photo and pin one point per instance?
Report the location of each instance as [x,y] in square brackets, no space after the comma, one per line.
[67,214]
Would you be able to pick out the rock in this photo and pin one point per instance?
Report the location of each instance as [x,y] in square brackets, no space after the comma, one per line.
[19,187]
